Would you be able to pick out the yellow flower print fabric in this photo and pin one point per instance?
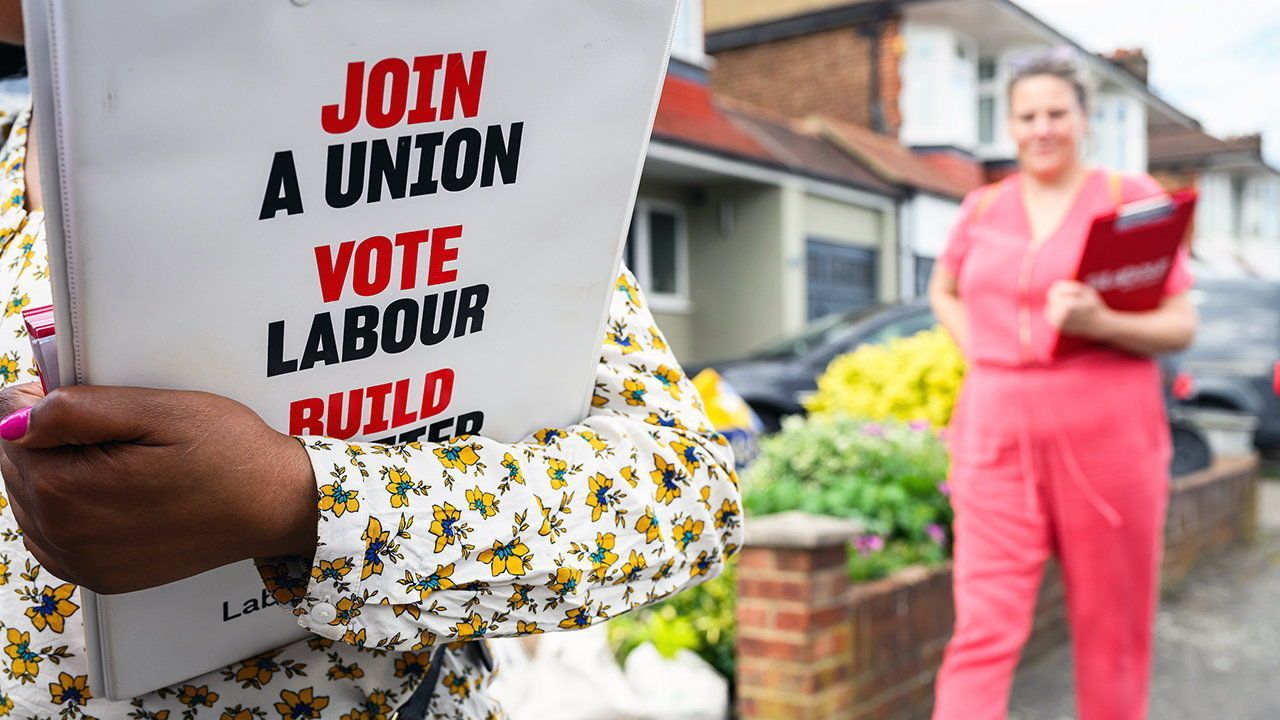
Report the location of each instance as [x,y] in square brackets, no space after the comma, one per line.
[478,539]
[420,545]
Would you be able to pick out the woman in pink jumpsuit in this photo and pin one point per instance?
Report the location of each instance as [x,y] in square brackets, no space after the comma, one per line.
[1053,457]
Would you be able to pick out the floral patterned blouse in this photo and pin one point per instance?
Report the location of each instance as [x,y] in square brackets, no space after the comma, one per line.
[419,545]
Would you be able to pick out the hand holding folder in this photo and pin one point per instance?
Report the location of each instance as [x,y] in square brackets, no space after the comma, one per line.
[200,235]
[1129,255]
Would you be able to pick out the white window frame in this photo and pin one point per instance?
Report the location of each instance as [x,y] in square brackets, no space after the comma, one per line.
[940,88]
[677,302]
[690,46]
[1118,136]
[989,88]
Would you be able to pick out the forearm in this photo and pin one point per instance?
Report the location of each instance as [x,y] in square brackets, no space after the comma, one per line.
[441,541]
[584,524]
[949,310]
[1169,328]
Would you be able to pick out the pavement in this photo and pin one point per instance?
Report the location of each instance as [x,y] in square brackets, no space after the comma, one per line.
[1217,642]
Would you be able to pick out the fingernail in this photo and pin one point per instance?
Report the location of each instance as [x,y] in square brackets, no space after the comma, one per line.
[15,426]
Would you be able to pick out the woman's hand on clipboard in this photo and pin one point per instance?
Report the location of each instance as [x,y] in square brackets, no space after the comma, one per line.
[1074,308]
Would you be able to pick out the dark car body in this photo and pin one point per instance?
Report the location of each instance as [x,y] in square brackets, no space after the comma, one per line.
[773,380]
[1233,359]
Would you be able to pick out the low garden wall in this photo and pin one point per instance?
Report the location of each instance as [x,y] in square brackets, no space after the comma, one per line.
[811,645]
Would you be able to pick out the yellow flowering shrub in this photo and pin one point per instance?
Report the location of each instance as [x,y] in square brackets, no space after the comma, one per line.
[908,379]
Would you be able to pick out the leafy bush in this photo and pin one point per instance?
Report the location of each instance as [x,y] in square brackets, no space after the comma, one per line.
[909,379]
[885,475]
[867,563]
[700,619]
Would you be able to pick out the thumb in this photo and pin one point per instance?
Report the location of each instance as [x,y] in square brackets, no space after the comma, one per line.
[80,415]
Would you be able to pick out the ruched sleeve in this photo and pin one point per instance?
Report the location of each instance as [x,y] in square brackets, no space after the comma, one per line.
[433,542]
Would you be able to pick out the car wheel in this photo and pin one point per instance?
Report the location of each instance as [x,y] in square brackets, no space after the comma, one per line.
[1191,451]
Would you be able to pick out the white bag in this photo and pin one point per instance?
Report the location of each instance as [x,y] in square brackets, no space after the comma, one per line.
[572,676]
[580,665]
[690,688]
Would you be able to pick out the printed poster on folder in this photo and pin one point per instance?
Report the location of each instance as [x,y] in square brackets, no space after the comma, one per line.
[386,221]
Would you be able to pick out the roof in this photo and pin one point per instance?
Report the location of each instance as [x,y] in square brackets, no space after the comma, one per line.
[804,152]
[894,163]
[1179,146]
[690,114]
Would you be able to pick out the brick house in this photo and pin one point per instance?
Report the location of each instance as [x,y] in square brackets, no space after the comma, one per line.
[748,223]
[1237,225]
[928,75]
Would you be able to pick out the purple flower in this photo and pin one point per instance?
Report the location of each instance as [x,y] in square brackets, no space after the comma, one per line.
[937,534]
[873,429]
[945,489]
[919,425]
[868,544]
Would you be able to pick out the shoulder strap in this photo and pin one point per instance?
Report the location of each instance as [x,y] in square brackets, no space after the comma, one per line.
[1116,182]
[989,194]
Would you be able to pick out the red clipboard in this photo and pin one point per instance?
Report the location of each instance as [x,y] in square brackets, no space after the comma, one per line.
[1129,255]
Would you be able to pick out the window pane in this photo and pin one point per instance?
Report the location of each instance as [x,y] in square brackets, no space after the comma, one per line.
[986,69]
[629,251]
[924,270]
[662,253]
[986,120]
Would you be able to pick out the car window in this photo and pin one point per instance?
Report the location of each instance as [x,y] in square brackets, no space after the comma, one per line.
[902,327]
[817,334]
[1238,321]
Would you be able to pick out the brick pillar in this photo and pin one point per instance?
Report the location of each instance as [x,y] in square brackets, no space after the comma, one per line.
[794,631]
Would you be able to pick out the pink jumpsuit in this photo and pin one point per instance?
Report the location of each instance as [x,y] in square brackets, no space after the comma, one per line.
[1063,457]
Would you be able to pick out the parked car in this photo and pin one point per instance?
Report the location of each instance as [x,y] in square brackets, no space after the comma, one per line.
[775,380]
[1233,361]
[1191,448]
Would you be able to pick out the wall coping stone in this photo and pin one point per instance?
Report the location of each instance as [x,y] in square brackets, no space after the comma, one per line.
[796,530]
[1228,467]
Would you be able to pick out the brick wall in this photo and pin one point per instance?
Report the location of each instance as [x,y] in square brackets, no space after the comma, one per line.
[825,73]
[794,632]
[1173,180]
[1209,512]
[813,645]
[901,627]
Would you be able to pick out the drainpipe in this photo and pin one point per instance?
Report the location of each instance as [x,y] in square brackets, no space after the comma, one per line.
[873,31]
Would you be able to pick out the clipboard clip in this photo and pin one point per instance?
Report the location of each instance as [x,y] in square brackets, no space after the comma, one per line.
[1144,212]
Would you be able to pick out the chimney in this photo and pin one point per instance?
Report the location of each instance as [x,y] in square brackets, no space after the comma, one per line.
[1131,60]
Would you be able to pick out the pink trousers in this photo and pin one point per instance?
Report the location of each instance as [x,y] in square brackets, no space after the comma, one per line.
[1067,460]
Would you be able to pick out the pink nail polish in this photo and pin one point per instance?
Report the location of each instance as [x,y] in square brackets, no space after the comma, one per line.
[15,426]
